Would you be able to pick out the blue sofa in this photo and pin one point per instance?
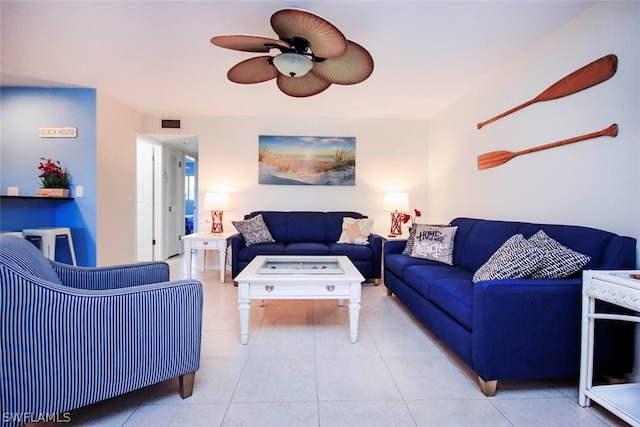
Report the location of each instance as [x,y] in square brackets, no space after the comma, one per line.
[308,233]
[511,329]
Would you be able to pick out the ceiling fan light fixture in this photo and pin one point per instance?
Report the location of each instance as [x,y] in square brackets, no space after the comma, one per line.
[293,64]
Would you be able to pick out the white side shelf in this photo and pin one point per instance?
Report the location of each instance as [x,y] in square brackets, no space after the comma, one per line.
[616,287]
[621,399]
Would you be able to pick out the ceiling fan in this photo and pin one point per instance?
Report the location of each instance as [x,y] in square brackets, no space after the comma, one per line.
[313,55]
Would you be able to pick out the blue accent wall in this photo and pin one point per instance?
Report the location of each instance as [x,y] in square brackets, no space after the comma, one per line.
[23,112]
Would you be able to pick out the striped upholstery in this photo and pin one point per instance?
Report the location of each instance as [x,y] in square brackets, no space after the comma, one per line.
[90,335]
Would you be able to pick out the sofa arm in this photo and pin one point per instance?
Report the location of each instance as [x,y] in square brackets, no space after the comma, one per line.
[236,242]
[526,328]
[375,242]
[112,277]
[395,246]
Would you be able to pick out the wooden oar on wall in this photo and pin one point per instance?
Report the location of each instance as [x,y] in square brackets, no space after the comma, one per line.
[497,158]
[589,75]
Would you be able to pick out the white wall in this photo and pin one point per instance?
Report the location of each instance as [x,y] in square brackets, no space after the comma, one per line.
[390,155]
[117,127]
[593,183]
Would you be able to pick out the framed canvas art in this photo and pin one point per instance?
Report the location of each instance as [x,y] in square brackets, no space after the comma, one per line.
[306,160]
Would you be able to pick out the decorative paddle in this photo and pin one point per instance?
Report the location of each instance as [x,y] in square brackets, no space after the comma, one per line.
[496,158]
[589,75]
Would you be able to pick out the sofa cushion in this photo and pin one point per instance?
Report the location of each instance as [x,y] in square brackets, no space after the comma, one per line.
[477,239]
[421,277]
[434,243]
[306,227]
[354,252]
[438,271]
[355,231]
[515,259]
[307,248]
[254,230]
[417,282]
[557,260]
[250,252]
[397,263]
[454,297]
[22,255]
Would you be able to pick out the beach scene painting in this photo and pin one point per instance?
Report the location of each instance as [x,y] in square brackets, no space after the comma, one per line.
[306,160]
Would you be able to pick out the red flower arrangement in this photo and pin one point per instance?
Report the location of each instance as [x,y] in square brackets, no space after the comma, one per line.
[406,217]
[52,175]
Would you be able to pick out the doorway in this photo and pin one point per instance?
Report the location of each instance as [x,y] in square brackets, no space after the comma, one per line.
[145,191]
[190,191]
[175,206]
[162,195]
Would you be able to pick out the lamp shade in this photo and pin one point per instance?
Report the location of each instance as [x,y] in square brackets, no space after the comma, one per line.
[292,64]
[216,201]
[396,202]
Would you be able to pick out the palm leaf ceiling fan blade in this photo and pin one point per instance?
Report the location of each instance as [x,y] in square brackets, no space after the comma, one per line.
[300,87]
[248,43]
[254,70]
[324,38]
[313,55]
[355,66]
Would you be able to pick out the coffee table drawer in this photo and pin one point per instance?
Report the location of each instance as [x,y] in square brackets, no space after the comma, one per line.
[340,290]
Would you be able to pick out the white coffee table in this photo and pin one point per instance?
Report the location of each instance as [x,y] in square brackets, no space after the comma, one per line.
[299,277]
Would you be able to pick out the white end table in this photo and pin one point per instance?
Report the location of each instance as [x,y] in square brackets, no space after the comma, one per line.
[215,241]
[619,288]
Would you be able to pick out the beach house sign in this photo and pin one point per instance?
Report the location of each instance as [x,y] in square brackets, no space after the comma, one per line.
[58,132]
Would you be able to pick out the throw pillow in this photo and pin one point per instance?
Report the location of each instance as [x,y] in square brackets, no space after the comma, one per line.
[516,258]
[434,243]
[558,261]
[356,231]
[254,230]
[412,235]
[408,248]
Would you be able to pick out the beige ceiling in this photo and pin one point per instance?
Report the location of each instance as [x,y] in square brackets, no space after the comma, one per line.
[155,56]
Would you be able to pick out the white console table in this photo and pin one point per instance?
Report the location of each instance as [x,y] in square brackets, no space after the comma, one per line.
[619,288]
[204,241]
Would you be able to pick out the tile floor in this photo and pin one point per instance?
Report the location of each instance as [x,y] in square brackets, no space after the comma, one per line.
[300,369]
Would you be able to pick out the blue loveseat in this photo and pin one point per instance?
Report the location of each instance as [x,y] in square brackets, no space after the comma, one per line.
[511,329]
[308,233]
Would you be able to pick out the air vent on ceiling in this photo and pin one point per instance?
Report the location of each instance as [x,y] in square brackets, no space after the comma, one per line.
[170,124]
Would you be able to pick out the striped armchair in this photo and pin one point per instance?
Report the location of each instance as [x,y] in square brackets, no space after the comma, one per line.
[72,336]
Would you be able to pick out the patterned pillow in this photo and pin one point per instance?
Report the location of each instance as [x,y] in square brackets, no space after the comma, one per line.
[254,230]
[434,243]
[516,258]
[412,235]
[558,261]
[356,231]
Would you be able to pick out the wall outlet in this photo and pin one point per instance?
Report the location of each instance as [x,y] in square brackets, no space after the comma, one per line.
[13,191]
[79,191]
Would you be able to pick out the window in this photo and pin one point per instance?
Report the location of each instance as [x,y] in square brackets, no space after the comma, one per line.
[189,179]
[189,187]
